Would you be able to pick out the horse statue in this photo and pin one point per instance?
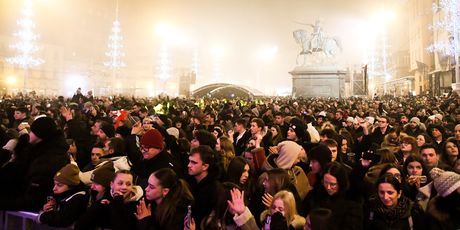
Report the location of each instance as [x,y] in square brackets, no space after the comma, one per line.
[316,42]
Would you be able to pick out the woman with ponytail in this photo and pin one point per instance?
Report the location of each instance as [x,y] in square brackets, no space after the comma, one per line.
[168,198]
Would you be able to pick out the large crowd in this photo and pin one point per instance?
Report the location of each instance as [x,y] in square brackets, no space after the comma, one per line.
[271,163]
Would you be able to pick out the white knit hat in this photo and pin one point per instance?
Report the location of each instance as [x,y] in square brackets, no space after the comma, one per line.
[445,182]
[173,131]
[288,153]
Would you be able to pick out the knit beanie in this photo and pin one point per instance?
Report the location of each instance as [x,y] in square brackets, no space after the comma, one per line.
[322,154]
[288,152]
[173,131]
[123,131]
[445,182]
[108,129]
[68,175]
[299,128]
[44,127]
[416,120]
[152,139]
[104,174]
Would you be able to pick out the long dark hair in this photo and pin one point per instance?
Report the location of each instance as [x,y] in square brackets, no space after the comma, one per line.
[178,192]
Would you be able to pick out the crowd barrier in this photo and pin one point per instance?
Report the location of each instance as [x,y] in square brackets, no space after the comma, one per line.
[22,220]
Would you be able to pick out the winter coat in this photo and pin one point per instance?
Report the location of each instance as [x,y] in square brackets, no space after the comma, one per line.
[246,220]
[406,215]
[46,158]
[346,214]
[112,212]
[70,206]
[444,212]
[240,145]
[142,168]
[205,193]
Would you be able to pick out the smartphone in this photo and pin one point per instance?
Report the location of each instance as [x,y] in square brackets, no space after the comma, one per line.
[189,215]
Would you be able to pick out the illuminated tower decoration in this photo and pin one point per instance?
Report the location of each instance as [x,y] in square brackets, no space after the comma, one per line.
[25,45]
[164,69]
[450,23]
[115,52]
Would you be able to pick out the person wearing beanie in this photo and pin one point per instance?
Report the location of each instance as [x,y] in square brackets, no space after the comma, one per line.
[445,182]
[414,127]
[297,131]
[173,131]
[46,155]
[41,129]
[436,132]
[69,200]
[443,210]
[122,132]
[100,181]
[106,131]
[289,153]
[150,156]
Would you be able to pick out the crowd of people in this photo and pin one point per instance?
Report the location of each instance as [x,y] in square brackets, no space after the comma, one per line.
[271,163]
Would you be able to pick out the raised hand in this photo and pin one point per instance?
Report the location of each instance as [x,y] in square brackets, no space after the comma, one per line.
[187,226]
[137,128]
[142,210]
[267,199]
[236,205]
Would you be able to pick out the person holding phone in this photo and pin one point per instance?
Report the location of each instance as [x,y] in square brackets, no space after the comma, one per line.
[166,203]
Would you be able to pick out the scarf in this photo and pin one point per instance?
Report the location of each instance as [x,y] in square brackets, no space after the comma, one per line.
[391,215]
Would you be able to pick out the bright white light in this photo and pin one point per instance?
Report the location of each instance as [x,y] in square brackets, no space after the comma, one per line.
[218,51]
[73,81]
[387,77]
[171,35]
[118,85]
[11,80]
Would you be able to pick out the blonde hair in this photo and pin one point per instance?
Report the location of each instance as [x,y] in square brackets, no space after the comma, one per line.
[227,151]
[288,199]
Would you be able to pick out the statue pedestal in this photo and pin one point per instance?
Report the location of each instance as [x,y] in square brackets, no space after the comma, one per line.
[318,81]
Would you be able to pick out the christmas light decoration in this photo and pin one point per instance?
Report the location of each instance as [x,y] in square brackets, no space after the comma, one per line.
[115,52]
[450,23]
[25,45]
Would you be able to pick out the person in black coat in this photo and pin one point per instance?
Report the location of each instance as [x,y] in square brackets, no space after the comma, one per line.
[150,157]
[240,137]
[332,195]
[69,200]
[203,170]
[47,153]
